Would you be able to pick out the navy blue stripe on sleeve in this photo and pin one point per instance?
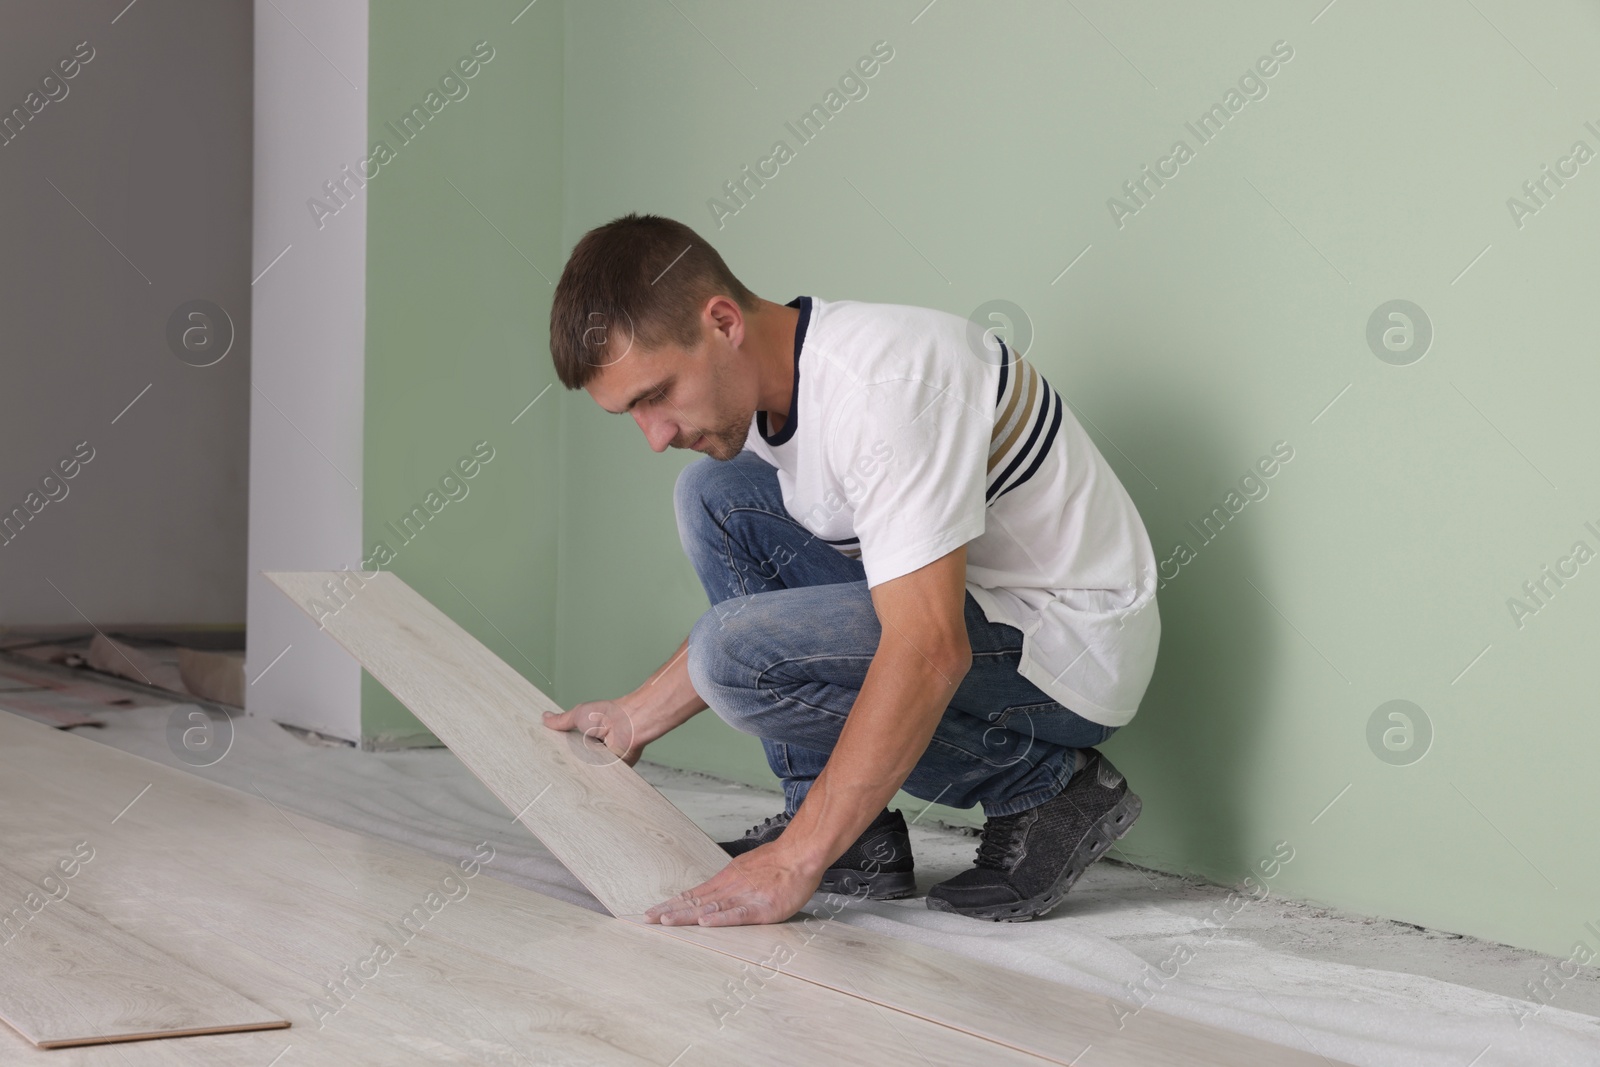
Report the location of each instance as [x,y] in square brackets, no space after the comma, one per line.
[1004,359]
[1022,453]
[1049,439]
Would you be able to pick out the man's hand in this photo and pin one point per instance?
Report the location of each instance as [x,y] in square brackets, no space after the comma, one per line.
[611,722]
[666,700]
[765,885]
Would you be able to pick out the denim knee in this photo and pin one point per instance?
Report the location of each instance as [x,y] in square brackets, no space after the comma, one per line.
[714,666]
[694,487]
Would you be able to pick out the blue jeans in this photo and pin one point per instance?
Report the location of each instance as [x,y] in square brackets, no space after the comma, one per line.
[784,650]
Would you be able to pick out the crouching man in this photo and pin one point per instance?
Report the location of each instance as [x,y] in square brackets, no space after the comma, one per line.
[922,575]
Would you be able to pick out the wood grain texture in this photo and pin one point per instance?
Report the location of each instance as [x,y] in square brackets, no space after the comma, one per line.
[284,908]
[470,699]
[69,978]
[1048,1019]
[622,839]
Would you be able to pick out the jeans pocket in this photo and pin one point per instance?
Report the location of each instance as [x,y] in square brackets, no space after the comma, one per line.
[1009,736]
[1024,711]
[1050,722]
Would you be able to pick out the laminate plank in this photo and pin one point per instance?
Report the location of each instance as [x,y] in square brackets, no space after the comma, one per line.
[1047,1019]
[50,708]
[135,664]
[215,676]
[72,979]
[472,981]
[622,839]
[224,880]
[74,683]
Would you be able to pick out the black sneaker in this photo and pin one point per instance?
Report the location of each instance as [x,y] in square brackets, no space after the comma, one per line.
[880,860]
[1027,861]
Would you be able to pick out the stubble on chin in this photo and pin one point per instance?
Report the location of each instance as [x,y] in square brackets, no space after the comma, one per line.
[728,443]
[723,450]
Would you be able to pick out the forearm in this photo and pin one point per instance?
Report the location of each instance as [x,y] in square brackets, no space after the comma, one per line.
[902,698]
[667,698]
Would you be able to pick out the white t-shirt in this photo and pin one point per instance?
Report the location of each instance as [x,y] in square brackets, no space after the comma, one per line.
[910,433]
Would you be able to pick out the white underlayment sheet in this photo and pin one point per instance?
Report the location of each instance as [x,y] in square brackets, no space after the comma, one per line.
[1372,1018]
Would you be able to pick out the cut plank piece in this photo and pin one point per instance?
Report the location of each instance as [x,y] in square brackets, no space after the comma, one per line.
[623,840]
[135,664]
[70,978]
[217,676]
[71,682]
[51,708]
[471,700]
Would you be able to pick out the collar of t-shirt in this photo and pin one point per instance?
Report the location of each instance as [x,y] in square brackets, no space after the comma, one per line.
[803,303]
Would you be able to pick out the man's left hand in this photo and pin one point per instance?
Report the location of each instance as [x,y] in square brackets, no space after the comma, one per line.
[765,885]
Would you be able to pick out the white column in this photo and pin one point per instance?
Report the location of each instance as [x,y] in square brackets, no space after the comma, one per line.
[308,333]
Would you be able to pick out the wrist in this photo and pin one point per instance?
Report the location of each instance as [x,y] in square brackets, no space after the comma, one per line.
[809,844]
[641,724]
[658,711]
[804,853]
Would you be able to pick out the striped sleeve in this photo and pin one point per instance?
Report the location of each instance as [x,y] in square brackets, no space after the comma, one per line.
[1027,420]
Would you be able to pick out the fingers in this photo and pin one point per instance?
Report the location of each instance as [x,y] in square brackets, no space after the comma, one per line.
[738,915]
[584,717]
[706,913]
[690,904]
[685,907]
[606,722]
[723,900]
[685,916]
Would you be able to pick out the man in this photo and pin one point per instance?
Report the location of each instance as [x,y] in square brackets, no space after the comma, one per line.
[922,574]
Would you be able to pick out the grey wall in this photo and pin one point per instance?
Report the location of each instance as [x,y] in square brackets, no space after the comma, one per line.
[120,201]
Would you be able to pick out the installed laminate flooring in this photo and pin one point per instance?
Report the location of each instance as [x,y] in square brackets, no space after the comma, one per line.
[1041,1017]
[71,978]
[486,713]
[379,954]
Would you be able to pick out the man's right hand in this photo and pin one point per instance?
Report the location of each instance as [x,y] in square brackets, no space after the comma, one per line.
[607,721]
[664,702]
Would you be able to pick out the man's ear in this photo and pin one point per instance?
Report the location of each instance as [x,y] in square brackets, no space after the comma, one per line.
[724,318]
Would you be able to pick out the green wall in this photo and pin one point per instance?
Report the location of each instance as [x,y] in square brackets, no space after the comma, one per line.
[1226,314]
[461,222]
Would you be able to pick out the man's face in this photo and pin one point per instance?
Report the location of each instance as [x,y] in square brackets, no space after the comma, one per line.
[701,398]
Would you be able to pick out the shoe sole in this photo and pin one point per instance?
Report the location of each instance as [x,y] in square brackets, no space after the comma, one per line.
[1113,825]
[885,885]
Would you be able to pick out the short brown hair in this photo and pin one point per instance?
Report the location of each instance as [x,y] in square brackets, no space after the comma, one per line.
[650,275]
